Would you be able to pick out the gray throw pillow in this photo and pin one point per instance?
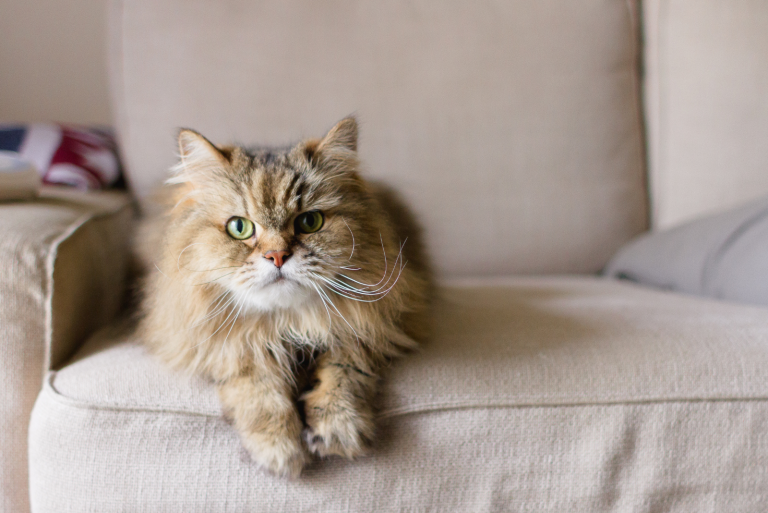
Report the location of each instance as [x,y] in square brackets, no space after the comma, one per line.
[724,256]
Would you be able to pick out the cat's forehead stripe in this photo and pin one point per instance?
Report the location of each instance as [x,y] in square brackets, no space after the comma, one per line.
[278,185]
[290,189]
[267,191]
[273,195]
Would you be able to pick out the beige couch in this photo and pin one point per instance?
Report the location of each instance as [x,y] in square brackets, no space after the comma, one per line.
[516,132]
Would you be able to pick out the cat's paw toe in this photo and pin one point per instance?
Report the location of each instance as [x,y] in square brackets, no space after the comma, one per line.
[285,458]
[343,438]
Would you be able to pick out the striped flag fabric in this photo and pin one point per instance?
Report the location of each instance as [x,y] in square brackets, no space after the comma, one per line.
[77,156]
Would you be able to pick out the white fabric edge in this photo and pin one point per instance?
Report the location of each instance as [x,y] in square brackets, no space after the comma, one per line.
[40,144]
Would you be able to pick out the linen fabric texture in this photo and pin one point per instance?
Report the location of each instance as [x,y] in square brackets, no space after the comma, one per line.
[63,260]
[502,125]
[537,394]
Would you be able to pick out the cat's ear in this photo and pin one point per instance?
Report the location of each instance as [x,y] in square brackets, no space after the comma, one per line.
[341,137]
[199,158]
[337,150]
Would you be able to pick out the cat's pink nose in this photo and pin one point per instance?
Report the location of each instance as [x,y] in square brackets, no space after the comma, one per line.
[278,257]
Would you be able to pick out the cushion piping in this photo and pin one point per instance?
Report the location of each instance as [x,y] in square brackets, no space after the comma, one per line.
[50,389]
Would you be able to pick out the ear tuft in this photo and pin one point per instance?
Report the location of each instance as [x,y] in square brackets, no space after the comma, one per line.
[310,150]
[193,146]
[198,158]
[342,136]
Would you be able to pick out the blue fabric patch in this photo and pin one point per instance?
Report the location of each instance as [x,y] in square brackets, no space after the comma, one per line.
[11,137]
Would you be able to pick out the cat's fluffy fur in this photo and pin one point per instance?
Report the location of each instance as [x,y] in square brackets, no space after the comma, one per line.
[345,298]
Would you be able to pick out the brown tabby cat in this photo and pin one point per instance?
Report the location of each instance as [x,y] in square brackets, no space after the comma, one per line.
[265,258]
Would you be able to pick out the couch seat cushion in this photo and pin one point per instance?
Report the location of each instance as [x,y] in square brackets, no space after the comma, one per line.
[570,394]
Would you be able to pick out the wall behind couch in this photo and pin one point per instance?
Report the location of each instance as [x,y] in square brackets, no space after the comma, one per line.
[53,63]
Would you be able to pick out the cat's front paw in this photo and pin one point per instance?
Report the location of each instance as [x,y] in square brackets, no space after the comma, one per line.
[335,429]
[281,453]
[280,457]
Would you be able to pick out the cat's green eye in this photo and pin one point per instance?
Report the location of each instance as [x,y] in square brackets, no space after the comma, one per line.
[239,228]
[309,222]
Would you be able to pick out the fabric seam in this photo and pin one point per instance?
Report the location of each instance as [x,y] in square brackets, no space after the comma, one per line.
[638,72]
[118,86]
[399,412]
[661,114]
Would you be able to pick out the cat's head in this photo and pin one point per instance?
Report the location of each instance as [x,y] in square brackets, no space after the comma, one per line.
[279,228]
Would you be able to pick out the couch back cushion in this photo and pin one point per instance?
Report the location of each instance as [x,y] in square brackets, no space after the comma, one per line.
[707,105]
[511,128]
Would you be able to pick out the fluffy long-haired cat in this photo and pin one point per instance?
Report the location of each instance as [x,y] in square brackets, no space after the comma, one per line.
[267,259]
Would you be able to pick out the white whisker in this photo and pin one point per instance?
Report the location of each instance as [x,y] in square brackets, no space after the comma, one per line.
[353,238]
[178,259]
[330,322]
[386,266]
[215,279]
[242,303]
[366,285]
[333,305]
[344,287]
[226,321]
[349,291]
[234,321]
[217,308]
[209,270]
[340,292]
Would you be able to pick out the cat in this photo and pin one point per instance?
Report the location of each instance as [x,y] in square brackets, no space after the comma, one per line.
[266,258]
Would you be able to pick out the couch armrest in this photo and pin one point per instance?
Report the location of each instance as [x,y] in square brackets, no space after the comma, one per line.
[63,274]
[89,266]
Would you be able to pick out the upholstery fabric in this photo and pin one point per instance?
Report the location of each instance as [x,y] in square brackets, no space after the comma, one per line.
[79,243]
[536,394]
[707,111]
[511,126]
[723,256]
